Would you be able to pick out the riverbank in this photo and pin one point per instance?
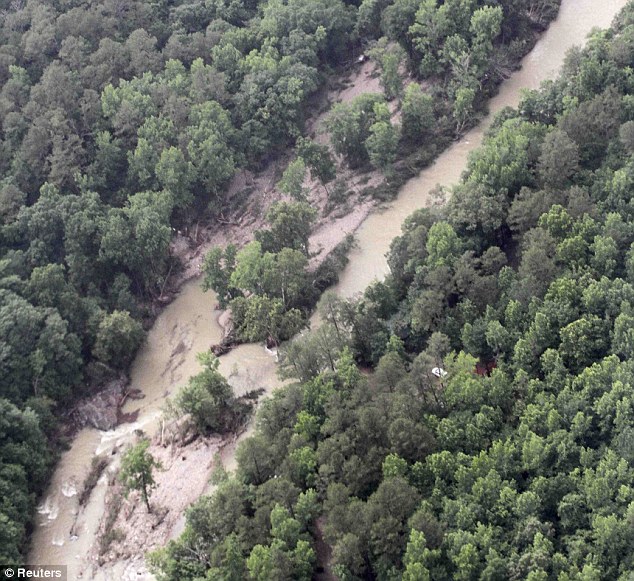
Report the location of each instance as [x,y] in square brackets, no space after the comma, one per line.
[128,531]
[250,195]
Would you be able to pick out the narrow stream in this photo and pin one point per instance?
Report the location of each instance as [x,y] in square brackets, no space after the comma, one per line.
[64,533]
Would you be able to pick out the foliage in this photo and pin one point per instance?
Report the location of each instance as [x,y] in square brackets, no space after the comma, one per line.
[118,338]
[208,399]
[418,113]
[217,268]
[390,59]
[262,318]
[319,160]
[290,227]
[382,145]
[267,283]
[292,182]
[25,459]
[349,125]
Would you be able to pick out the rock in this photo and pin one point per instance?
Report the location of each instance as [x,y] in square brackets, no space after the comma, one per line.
[101,410]
[225,320]
[135,394]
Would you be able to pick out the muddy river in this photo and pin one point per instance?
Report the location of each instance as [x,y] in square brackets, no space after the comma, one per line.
[64,533]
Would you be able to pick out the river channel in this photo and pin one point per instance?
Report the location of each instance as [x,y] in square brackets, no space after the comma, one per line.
[64,532]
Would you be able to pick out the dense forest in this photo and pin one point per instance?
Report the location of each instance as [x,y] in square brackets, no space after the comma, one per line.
[494,437]
[121,120]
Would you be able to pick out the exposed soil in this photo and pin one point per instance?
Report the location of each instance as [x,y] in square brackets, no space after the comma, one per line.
[184,478]
[323,552]
[250,195]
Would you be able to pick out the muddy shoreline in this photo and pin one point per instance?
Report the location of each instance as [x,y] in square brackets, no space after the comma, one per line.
[102,407]
[187,469]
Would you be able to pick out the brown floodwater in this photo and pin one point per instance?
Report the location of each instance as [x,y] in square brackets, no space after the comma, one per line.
[64,533]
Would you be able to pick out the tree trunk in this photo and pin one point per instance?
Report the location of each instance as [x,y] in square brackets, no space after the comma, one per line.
[145,495]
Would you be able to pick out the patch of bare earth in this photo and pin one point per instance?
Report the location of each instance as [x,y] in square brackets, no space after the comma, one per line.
[133,532]
[323,551]
[250,195]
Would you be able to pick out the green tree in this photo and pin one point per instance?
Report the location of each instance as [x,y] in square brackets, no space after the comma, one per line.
[416,557]
[279,276]
[233,564]
[390,59]
[319,160]
[368,25]
[25,461]
[497,337]
[485,26]
[443,245]
[290,227]
[261,318]
[626,135]
[175,174]
[255,460]
[261,564]
[417,114]
[303,465]
[218,267]
[251,264]
[211,156]
[208,398]
[559,160]
[389,371]
[288,278]
[394,467]
[41,356]
[349,561]
[463,107]
[623,341]
[118,338]
[292,182]
[349,125]
[538,267]
[137,469]
[605,255]
[430,28]
[583,341]
[382,145]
